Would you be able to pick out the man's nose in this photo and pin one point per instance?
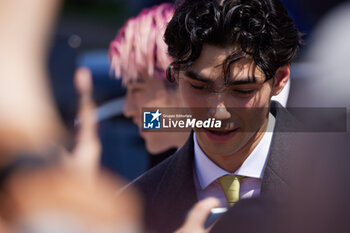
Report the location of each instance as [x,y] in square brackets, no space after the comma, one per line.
[220,111]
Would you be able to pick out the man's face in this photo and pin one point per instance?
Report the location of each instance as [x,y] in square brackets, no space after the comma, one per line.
[242,102]
[150,92]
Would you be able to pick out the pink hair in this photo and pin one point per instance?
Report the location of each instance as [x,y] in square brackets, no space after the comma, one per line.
[139,48]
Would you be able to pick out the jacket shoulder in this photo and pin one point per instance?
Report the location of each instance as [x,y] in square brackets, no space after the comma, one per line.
[148,181]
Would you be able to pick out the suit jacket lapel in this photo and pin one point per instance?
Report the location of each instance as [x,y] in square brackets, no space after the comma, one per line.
[277,170]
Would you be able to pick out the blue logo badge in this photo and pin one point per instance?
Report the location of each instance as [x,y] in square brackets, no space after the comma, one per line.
[151,120]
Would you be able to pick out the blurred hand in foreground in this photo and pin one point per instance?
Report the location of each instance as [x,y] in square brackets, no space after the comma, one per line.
[195,220]
[57,199]
[29,119]
[86,153]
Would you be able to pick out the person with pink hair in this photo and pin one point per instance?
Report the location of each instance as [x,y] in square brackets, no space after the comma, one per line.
[139,56]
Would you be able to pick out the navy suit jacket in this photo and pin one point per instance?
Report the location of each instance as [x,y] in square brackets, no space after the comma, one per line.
[169,191]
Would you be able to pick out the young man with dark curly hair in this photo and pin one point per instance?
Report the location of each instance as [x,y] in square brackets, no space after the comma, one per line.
[230,57]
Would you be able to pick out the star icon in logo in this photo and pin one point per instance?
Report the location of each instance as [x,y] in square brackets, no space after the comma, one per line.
[156,115]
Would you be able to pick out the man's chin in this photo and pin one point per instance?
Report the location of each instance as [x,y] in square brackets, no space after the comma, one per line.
[222,153]
[220,148]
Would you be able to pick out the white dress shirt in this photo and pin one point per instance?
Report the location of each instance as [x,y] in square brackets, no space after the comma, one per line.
[206,172]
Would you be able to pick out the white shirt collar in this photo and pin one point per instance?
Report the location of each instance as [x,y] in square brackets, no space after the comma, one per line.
[207,171]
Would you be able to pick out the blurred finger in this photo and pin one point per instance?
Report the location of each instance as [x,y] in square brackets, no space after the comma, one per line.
[194,222]
[88,149]
[83,81]
[201,210]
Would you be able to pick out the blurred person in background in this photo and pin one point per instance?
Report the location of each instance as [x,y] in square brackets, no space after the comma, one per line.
[326,86]
[326,60]
[139,56]
[43,187]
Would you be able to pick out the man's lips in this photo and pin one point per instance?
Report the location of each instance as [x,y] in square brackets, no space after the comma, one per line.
[220,135]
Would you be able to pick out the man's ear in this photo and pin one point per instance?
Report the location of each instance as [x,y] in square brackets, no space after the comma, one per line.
[280,79]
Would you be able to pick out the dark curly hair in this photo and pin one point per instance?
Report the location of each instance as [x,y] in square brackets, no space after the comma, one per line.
[262,29]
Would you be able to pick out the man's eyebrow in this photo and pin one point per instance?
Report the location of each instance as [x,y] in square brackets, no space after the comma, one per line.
[249,80]
[193,75]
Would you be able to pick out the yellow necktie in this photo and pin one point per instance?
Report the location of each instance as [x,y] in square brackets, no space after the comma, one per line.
[230,185]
